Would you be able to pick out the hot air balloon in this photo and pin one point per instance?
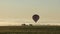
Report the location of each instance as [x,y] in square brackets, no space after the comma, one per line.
[35,17]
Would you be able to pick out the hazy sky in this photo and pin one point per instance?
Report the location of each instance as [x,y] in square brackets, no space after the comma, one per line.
[15,12]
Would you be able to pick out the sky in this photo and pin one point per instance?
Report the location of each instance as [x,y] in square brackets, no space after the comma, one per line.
[17,12]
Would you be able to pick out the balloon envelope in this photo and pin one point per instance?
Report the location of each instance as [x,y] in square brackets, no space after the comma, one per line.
[35,17]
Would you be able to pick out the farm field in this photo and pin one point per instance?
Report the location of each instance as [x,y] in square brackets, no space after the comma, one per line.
[29,29]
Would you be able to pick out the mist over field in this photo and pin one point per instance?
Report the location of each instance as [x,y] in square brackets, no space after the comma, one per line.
[19,22]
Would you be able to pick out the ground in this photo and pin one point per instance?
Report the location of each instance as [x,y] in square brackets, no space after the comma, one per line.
[29,29]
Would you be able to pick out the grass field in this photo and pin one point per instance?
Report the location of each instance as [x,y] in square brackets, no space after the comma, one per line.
[29,29]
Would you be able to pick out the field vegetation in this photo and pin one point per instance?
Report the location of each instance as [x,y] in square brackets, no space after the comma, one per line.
[25,29]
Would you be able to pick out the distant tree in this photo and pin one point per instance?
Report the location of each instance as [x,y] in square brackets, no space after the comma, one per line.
[23,24]
[30,25]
